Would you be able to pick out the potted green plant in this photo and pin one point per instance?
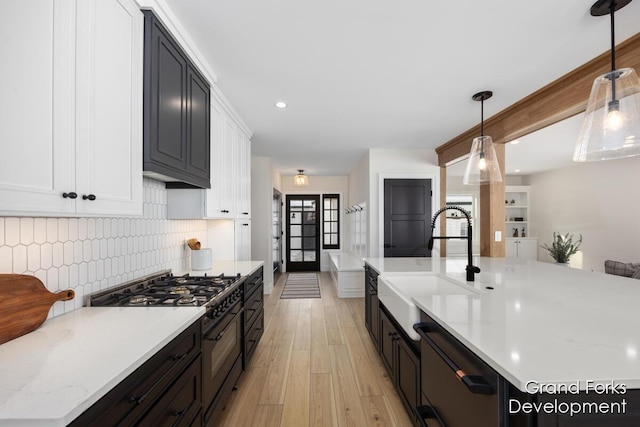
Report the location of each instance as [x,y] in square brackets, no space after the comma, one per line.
[563,247]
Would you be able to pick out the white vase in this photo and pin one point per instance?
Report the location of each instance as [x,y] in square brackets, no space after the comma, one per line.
[564,264]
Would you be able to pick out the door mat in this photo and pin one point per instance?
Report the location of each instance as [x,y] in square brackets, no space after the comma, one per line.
[301,285]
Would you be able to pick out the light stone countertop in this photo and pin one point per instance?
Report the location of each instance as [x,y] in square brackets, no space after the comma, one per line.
[53,374]
[541,322]
[228,268]
[403,265]
[347,261]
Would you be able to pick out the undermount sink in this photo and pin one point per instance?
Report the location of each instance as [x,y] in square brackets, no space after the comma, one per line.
[396,291]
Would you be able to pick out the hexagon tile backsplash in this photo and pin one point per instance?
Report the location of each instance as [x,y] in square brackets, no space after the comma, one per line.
[93,254]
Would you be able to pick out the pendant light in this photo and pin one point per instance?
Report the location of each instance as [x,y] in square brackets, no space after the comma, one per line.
[482,166]
[300,180]
[611,126]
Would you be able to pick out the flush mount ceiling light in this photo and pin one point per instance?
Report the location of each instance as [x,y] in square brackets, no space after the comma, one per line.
[281,104]
[482,166]
[611,126]
[300,180]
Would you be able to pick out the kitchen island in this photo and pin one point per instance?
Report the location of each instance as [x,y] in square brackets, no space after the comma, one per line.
[53,374]
[546,330]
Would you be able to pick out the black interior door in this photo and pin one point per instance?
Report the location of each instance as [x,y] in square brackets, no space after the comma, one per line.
[303,233]
[407,217]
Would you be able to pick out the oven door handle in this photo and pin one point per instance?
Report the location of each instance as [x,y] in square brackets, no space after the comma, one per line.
[218,338]
[221,334]
[475,383]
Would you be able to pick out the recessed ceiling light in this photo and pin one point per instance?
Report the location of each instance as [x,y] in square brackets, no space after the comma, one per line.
[516,170]
[281,104]
[515,141]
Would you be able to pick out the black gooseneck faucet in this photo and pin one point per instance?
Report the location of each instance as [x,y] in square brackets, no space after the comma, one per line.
[471,269]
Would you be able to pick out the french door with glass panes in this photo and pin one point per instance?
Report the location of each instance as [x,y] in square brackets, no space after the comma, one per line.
[303,233]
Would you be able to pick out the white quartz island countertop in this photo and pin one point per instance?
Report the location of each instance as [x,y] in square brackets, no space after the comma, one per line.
[541,322]
[52,375]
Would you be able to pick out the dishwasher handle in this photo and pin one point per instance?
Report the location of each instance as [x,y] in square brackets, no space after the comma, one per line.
[475,383]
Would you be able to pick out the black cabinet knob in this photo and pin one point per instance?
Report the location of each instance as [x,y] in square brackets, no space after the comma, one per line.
[88,197]
[245,213]
[70,195]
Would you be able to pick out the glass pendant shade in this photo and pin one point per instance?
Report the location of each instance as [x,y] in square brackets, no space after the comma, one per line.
[300,180]
[611,126]
[482,165]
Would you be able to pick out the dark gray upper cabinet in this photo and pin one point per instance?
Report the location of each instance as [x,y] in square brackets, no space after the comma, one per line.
[176,111]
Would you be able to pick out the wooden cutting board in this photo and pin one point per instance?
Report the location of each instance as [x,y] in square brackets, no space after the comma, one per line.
[25,304]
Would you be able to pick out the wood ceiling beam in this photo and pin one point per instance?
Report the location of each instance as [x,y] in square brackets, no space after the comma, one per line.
[563,98]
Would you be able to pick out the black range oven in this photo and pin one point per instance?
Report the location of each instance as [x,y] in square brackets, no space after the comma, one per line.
[221,353]
[221,325]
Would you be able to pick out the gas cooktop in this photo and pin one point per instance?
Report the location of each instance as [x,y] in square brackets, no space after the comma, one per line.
[165,289]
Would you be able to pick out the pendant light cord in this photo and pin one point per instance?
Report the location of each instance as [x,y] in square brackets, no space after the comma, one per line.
[482,126]
[612,7]
[614,103]
[482,117]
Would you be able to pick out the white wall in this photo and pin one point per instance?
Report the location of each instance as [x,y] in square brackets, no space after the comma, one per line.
[397,163]
[263,176]
[222,238]
[320,185]
[94,254]
[359,182]
[598,200]
[357,240]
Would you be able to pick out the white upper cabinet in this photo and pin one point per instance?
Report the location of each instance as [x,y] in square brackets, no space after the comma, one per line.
[215,205]
[109,106]
[228,151]
[227,174]
[36,153]
[230,192]
[244,176]
[71,122]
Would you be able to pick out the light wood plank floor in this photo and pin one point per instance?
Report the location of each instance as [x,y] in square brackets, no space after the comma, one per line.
[315,366]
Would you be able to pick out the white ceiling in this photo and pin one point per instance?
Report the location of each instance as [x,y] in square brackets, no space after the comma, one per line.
[546,149]
[361,74]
